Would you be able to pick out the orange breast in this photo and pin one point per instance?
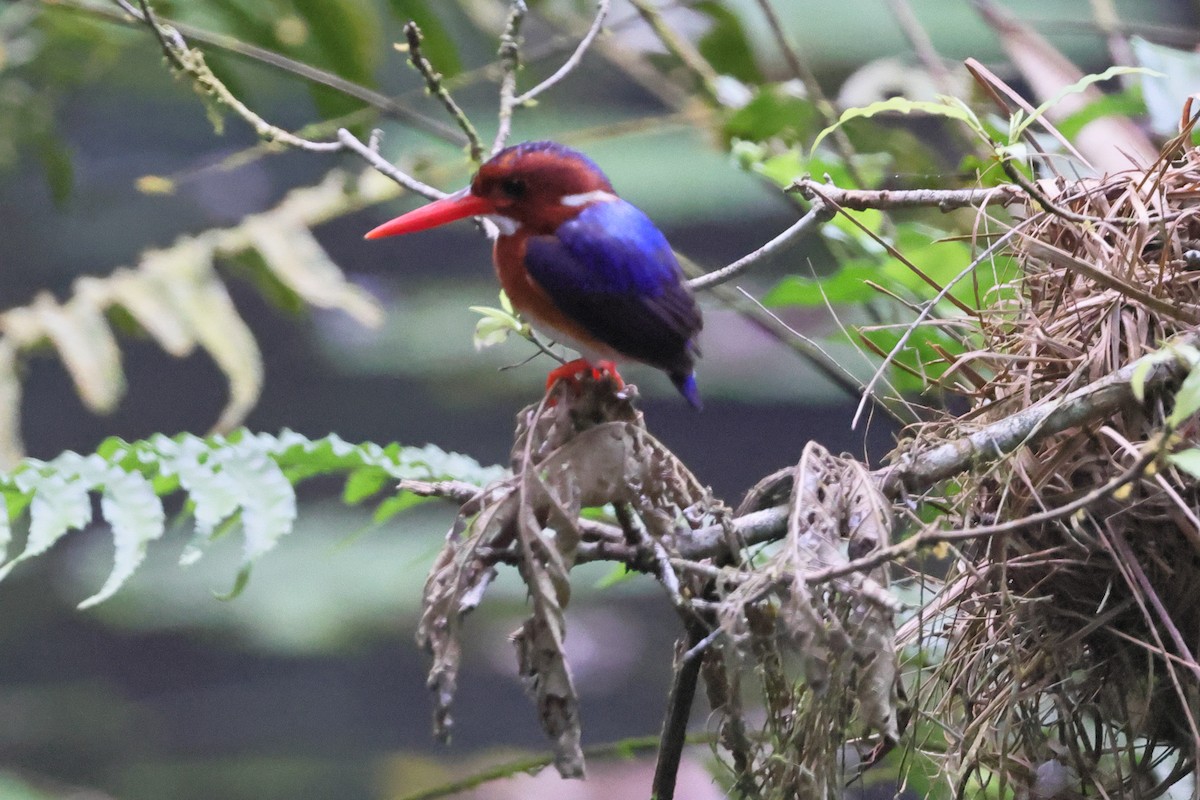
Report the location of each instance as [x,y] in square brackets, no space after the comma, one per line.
[532,301]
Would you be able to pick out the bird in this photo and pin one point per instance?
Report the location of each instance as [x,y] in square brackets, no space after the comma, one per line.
[582,265]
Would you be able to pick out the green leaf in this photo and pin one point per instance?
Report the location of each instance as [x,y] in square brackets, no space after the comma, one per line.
[775,112]
[235,482]
[1021,123]
[617,575]
[343,36]
[946,107]
[726,45]
[267,499]
[847,286]
[1187,399]
[496,325]
[395,505]
[60,504]
[363,483]
[1187,460]
[55,159]
[345,32]
[239,585]
[214,496]
[136,516]
[1126,103]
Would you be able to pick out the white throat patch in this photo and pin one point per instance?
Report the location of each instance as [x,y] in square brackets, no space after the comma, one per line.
[506,225]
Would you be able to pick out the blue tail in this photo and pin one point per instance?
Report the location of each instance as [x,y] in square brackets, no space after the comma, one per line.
[686,384]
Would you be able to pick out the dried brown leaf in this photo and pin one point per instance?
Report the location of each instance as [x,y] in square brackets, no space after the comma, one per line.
[587,450]
[143,297]
[185,273]
[11,448]
[293,254]
[80,334]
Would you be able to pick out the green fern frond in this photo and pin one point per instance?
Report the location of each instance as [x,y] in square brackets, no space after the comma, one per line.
[244,478]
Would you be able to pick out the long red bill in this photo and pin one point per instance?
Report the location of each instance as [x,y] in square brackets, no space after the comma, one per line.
[455,206]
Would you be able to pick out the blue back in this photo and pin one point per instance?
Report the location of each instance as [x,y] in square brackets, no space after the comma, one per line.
[613,271]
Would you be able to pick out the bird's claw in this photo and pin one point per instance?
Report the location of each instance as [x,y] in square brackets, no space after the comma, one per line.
[573,372]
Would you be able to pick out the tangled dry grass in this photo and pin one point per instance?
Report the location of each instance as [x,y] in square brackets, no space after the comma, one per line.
[1070,647]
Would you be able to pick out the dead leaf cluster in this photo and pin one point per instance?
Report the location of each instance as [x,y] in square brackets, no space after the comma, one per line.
[818,657]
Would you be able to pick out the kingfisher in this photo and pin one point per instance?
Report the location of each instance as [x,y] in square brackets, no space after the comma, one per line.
[582,265]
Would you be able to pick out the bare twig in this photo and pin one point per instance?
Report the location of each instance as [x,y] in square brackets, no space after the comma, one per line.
[820,212]
[680,47]
[922,45]
[433,82]
[802,71]
[925,312]
[881,199]
[823,362]
[510,63]
[573,60]
[371,156]
[923,468]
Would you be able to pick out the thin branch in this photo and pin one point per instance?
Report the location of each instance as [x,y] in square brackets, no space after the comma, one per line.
[575,58]
[922,45]
[681,48]
[371,155]
[802,71]
[881,199]
[191,62]
[510,63]
[679,709]
[926,311]
[824,363]
[932,536]
[820,212]
[924,467]
[433,82]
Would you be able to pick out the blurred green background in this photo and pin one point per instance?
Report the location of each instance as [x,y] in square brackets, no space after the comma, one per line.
[308,684]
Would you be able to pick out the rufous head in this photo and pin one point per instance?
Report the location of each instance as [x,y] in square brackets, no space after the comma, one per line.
[533,187]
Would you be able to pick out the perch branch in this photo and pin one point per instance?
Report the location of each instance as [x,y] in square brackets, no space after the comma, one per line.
[924,467]
[510,63]
[943,199]
[679,709]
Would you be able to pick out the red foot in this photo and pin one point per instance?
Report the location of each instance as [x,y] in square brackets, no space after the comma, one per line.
[572,371]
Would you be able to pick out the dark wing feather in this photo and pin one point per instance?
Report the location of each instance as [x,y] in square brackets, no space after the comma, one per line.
[612,271]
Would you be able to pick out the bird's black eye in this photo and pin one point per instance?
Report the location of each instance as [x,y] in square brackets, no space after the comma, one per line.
[513,187]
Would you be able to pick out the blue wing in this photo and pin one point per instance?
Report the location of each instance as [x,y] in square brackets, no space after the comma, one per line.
[611,270]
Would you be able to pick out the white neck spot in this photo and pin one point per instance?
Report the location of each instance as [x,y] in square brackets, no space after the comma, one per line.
[586,198]
[506,225]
